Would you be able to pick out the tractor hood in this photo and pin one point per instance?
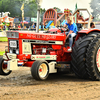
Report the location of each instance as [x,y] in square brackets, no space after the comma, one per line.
[36,36]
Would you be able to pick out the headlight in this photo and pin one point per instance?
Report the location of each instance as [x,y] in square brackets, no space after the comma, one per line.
[10,51]
[17,51]
[13,44]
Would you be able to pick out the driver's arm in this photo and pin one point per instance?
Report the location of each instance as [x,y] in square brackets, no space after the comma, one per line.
[65,25]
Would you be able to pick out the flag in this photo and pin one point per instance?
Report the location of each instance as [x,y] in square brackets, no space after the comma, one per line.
[22,7]
[76,6]
[75,14]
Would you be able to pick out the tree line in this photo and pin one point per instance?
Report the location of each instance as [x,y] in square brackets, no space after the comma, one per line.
[30,8]
[95,6]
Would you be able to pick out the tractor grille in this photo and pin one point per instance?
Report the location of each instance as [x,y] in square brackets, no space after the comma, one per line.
[14,46]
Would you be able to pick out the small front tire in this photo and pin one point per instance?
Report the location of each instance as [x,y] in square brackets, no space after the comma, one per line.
[3,68]
[40,70]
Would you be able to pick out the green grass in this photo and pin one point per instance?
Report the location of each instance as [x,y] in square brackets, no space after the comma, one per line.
[3,39]
[1,53]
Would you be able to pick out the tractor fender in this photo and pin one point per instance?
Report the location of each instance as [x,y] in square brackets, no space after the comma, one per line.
[85,32]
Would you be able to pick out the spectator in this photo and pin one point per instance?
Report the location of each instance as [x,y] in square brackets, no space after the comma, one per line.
[33,26]
[19,27]
[30,27]
[14,26]
[4,27]
[42,26]
[92,25]
[25,27]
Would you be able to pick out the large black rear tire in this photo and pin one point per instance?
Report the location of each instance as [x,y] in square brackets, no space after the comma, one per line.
[3,68]
[93,59]
[79,55]
[40,70]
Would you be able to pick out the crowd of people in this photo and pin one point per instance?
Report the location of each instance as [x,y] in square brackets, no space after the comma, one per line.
[18,27]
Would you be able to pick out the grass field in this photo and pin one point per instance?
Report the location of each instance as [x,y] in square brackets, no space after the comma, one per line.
[1,53]
[3,39]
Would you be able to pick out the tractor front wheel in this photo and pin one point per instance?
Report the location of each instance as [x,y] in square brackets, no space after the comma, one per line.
[3,68]
[40,70]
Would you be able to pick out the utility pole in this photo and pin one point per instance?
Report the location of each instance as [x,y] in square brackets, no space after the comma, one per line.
[38,14]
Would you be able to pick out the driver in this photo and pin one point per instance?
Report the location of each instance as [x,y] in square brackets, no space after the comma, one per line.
[72,31]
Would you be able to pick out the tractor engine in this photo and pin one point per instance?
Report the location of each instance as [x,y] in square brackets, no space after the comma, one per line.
[42,49]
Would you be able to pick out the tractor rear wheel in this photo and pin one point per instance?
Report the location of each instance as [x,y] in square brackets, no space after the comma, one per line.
[3,68]
[79,55]
[93,59]
[40,70]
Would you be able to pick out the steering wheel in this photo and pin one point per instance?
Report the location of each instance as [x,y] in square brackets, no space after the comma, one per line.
[63,29]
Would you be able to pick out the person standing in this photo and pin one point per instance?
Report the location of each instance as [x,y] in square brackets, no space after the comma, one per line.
[92,25]
[19,27]
[33,26]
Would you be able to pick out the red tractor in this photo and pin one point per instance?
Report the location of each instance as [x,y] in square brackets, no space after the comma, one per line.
[47,53]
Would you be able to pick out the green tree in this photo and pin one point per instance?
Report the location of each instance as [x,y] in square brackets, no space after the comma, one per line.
[13,6]
[95,6]
[42,11]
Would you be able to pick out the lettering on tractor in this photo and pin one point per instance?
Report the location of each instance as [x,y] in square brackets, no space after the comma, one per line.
[48,53]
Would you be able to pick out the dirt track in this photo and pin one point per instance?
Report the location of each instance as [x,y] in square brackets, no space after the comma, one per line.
[20,85]
[2,46]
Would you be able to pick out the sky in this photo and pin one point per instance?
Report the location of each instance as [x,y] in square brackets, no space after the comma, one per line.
[62,4]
